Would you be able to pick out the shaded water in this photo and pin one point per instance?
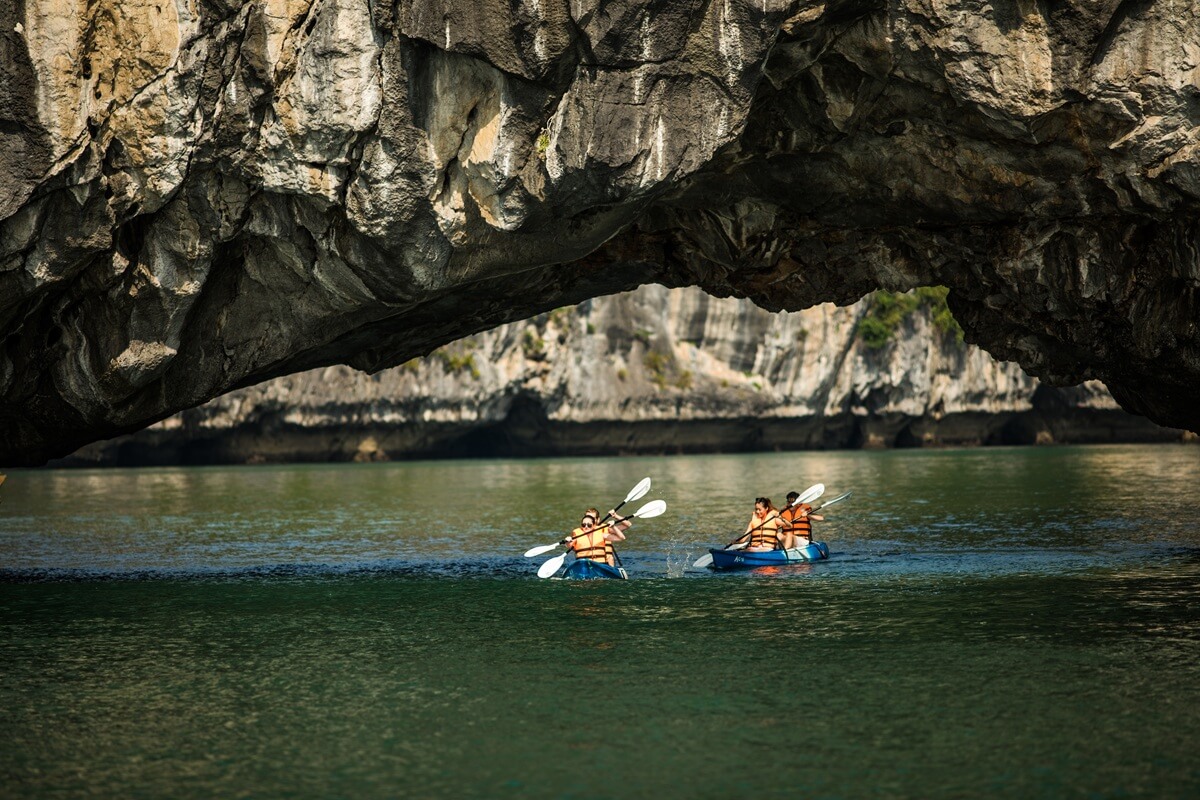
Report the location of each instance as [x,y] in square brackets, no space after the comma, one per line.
[1017,623]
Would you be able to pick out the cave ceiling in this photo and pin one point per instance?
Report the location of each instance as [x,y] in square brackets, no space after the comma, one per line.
[201,195]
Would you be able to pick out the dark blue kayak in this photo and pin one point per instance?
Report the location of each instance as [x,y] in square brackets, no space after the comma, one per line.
[742,559]
[584,569]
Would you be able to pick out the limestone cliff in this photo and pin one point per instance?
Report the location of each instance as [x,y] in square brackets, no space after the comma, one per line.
[649,371]
[199,195]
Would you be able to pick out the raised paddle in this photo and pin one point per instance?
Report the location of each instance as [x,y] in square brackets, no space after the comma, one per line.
[636,493]
[828,503]
[810,494]
[652,509]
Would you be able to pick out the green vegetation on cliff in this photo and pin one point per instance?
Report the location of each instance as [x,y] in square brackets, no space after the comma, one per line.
[887,310]
[458,358]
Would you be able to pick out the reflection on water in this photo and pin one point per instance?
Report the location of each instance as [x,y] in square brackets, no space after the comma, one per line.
[1018,623]
[969,510]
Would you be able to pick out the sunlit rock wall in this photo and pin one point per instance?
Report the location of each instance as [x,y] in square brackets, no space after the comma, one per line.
[650,371]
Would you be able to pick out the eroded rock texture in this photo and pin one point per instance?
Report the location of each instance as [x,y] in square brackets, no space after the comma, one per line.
[654,370]
[203,194]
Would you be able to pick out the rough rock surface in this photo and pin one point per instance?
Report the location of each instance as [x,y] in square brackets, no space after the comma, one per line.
[649,371]
[199,195]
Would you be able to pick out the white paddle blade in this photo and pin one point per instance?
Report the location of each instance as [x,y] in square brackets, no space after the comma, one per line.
[639,491]
[810,494]
[654,508]
[537,551]
[552,566]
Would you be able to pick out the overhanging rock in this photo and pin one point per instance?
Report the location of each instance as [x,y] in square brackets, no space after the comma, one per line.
[197,197]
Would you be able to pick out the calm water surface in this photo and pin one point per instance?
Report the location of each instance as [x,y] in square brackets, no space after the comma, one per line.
[1013,622]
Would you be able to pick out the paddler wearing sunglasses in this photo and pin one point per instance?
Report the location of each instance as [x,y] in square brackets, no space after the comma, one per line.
[594,541]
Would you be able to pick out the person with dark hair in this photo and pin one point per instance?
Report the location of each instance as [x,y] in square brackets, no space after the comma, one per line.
[796,523]
[594,541]
[762,532]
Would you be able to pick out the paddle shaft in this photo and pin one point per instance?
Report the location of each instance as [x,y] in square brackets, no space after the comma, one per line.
[599,526]
[634,494]
[752,530]
[818,508]
[611,513]
[837,499]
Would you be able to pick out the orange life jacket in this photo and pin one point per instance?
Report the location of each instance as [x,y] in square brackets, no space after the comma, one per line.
[800,524]
[767,535]
[593,545]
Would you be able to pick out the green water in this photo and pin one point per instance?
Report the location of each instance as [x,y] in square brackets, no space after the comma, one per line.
[1013,623]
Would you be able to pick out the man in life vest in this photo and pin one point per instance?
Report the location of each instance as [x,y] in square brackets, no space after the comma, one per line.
[594,541]
[796,528]
[762,532]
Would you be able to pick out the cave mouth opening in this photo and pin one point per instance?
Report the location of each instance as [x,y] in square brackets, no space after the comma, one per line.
[651,371]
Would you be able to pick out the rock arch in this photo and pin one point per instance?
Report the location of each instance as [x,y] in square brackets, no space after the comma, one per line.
[198,197]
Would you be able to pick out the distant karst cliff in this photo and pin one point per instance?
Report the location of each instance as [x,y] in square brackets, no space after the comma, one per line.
[651,371]
[201,196]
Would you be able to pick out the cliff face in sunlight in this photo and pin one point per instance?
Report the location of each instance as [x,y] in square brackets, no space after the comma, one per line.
[201,195]
[650,371]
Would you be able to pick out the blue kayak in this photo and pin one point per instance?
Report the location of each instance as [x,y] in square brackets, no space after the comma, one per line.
[584,569]
[741,559]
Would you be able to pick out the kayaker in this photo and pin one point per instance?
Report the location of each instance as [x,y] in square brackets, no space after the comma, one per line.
[797,522]
[594,541]
[764,526]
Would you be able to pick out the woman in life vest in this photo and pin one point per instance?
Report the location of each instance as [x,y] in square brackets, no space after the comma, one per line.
[594,541]
[797,523]
[762,532]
